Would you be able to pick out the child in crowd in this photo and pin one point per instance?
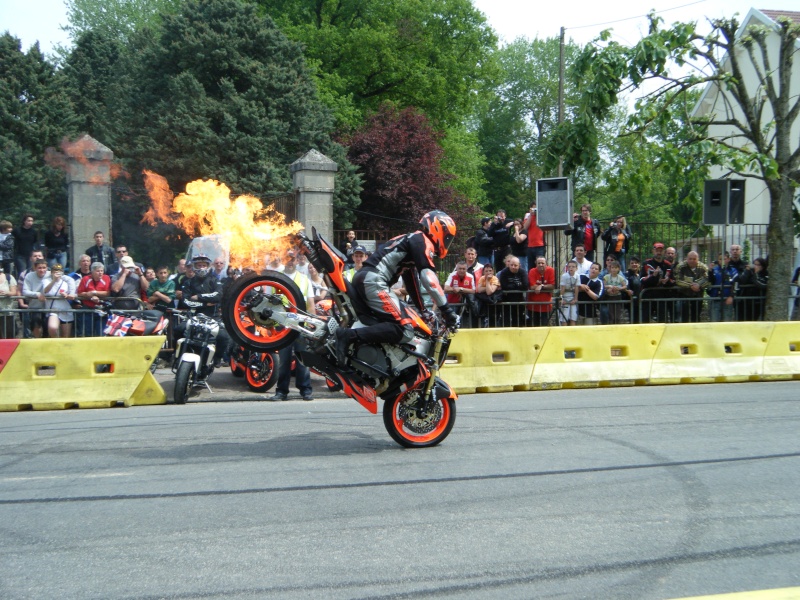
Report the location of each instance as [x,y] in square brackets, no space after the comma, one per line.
[568,310]
[615,285]
[590,289]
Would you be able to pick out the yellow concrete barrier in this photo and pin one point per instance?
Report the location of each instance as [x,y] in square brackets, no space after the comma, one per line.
[55,374]
[711,353]
[782,355]
[606,355]
[493,360]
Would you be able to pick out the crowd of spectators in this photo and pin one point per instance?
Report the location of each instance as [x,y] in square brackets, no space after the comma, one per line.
[505,279]
[40,296]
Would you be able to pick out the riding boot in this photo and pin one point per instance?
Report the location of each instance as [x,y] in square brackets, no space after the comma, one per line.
[344,337]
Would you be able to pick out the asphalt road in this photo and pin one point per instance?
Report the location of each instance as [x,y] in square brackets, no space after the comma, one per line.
[640,493]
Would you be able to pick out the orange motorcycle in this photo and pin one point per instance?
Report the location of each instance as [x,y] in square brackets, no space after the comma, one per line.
[266,312]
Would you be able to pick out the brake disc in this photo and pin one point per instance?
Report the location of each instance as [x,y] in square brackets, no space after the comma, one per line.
[417,419]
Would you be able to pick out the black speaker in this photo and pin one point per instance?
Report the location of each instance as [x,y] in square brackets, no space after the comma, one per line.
[716,195]
[554,203]
[736,203]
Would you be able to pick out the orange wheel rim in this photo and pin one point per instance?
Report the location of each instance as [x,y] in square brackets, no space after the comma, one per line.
[243,319]
[399,425]
[253,374]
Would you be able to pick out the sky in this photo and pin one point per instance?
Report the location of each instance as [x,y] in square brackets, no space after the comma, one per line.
[32,20]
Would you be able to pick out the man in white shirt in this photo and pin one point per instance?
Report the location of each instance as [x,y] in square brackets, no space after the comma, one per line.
[584,264]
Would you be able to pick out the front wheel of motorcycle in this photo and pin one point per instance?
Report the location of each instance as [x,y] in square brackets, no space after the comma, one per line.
[416,424]
[261,371]
[184,380]
[250,304]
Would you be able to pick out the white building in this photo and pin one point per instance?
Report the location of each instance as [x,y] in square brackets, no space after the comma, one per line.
[717,102]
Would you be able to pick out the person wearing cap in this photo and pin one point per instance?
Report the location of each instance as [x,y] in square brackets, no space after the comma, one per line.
[128,285]
[359,256]
[657,283]
[58,291]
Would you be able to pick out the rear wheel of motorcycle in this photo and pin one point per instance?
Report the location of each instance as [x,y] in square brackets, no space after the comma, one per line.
[412,428]
[184,380]
[262,371]
[236,369]
[252,330]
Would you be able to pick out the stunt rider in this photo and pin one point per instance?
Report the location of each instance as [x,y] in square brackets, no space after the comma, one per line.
[205,288]
[409,256]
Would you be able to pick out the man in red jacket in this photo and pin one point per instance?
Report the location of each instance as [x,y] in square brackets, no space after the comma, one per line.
[541,283]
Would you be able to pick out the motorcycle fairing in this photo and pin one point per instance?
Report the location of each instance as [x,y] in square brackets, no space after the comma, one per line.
[363,394]
[443,390]
[333,262]
[417,320]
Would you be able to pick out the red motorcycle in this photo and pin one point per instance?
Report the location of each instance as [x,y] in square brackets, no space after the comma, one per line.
[259,369]
[266,312]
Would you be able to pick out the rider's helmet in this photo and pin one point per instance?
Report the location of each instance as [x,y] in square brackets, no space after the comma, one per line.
[197,263]
[440,229]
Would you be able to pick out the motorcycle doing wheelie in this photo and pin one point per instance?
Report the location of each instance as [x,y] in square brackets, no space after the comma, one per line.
[193,363]
[267,312]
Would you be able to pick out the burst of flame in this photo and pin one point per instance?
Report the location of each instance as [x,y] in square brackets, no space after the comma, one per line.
[81,151]
[206,208]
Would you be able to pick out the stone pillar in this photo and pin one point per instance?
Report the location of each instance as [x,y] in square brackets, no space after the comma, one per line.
[313,182]
[89,191]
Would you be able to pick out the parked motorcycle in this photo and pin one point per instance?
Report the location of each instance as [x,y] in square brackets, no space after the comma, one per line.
[122,323]
[259,369]
[267,312]
[193,363]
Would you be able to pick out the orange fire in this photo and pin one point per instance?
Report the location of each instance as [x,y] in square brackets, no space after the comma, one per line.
[87,152]
[206,208]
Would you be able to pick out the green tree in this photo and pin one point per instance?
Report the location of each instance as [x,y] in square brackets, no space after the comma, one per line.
[463,158]
[400,159]
[749,130]
[518,118]
[94,71]
[115,19]
[35,113]
[220,92]
[654,175]
[429,54]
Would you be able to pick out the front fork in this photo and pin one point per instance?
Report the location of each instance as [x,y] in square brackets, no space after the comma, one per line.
[429,386]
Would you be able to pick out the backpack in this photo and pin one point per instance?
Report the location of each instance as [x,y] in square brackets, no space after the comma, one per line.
[471,242]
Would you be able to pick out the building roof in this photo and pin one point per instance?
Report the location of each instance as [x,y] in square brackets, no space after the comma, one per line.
[792,15]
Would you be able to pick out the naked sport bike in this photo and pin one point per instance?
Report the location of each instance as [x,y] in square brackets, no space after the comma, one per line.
[266,312]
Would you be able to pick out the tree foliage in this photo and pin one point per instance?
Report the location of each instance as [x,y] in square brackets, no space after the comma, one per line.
[94,74]
[400,162]
[115,19]
[429,54]
[35,113]
[518,118]
[220,92]
[747,126]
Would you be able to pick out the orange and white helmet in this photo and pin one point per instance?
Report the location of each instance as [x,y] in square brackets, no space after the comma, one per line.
[440,229]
